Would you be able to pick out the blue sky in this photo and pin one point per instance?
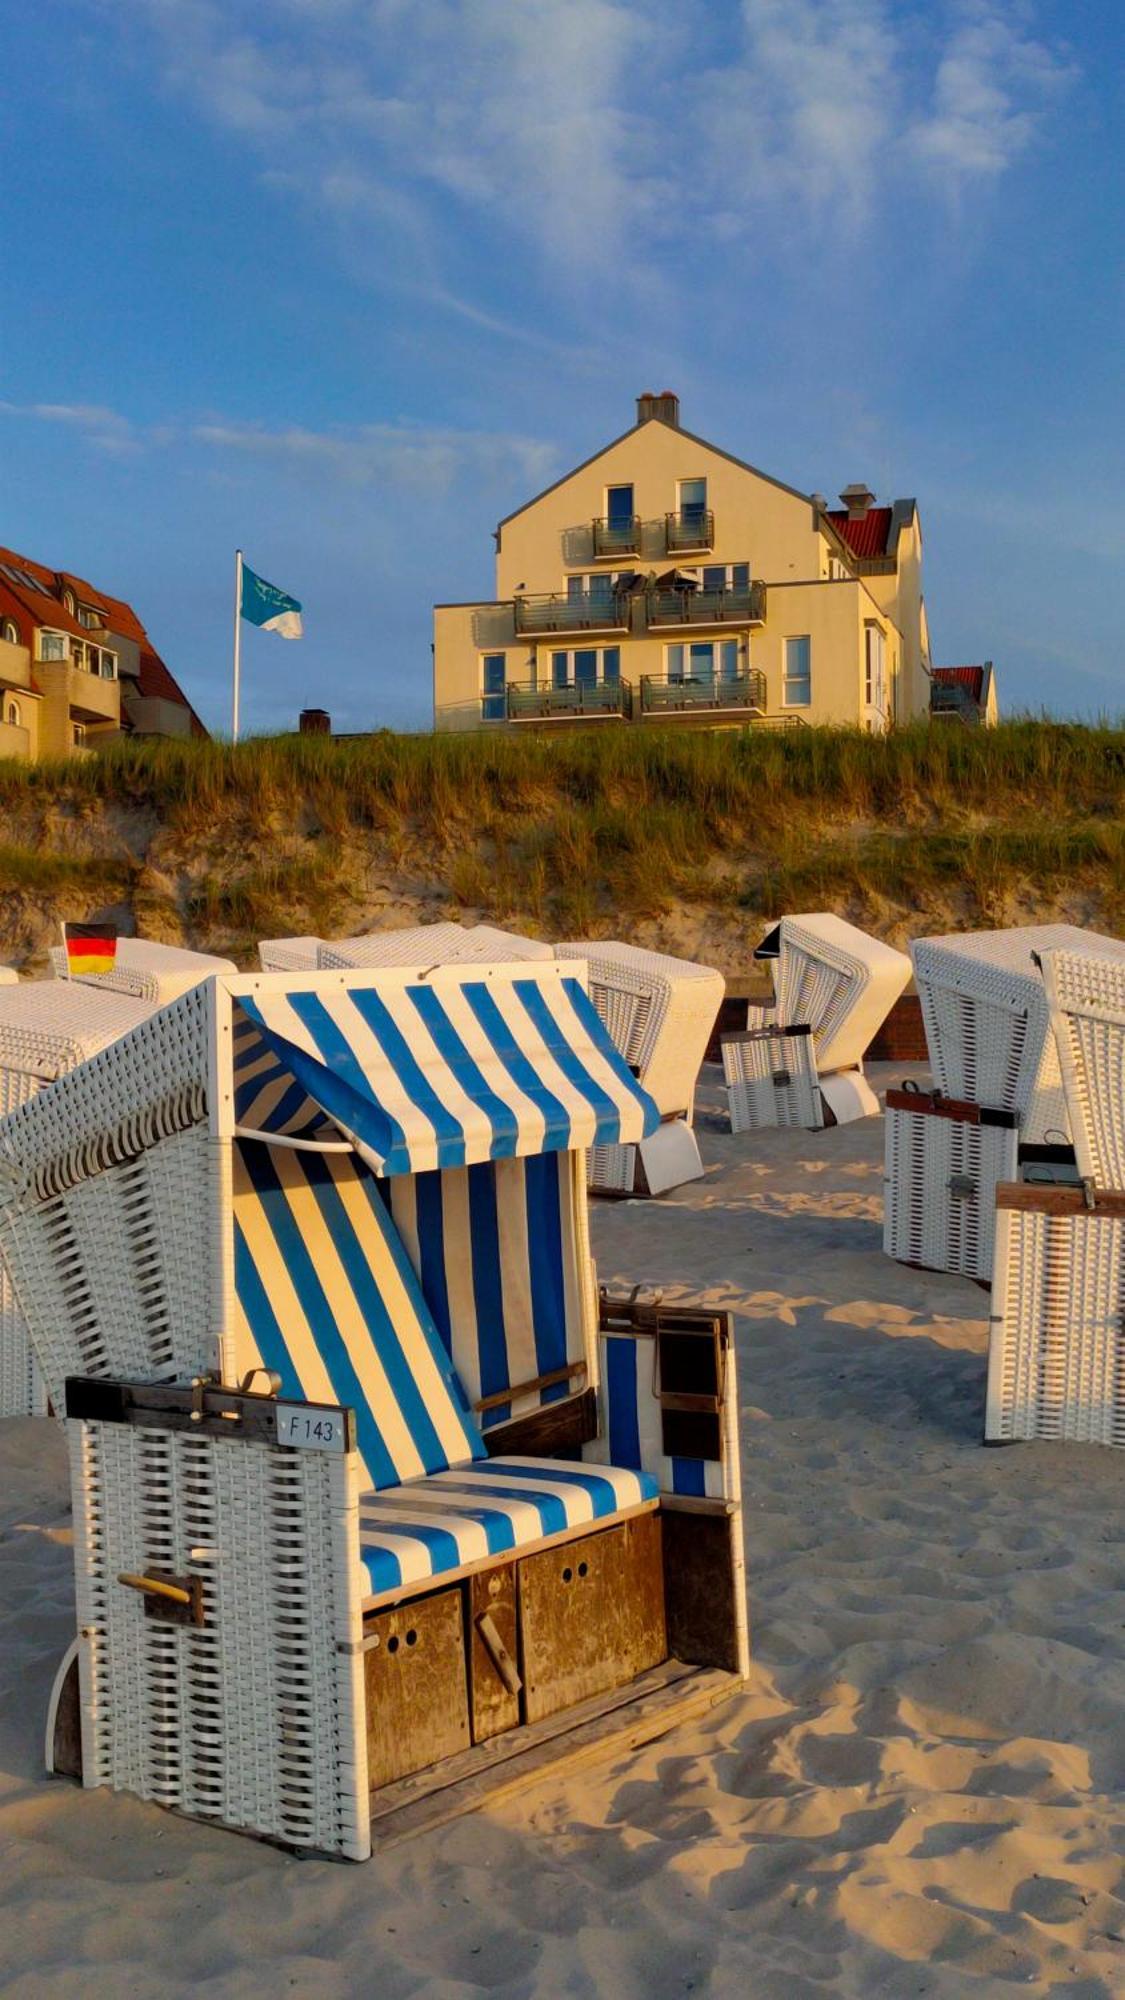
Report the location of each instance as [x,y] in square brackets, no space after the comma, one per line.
[344,281]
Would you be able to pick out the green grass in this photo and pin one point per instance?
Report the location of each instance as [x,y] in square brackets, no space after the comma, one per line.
[570,833]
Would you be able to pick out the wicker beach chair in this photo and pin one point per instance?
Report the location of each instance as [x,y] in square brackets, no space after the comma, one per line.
[46,1028]
[659,1012]
[1056,1356]
[944,1160]
[1085,993]
[153,972]
[367,1484]
[292,954]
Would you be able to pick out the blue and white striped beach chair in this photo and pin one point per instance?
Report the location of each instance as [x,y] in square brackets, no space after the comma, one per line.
[315,1291]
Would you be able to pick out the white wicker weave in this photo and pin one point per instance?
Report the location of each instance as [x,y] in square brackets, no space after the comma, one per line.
[45,1030]
[771,1080]
[149,971]
[431,944]
[255,1719]
[985,1013]
[1086,1007]
[1056,1361]
[944,1161]
[295,954]
[836,980]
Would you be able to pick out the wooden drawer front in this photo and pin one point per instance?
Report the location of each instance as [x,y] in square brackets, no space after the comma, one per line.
[591,1615]
[416,1686]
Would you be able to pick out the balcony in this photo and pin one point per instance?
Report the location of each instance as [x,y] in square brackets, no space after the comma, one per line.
[588,612]
[615,538]
[88,697]
[708,607]
[705,693]
[690,528]
[604,699]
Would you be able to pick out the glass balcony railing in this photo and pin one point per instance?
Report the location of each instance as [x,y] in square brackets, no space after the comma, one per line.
[585,611]
[708,607]
[610,537]
[689,528]
[528,702]
[661,695]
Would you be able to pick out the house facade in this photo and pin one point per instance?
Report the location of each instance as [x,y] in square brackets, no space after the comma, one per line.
[666,581]
[77,667]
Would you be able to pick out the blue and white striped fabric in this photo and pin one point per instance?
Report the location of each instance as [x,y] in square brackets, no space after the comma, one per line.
[439,1524]
[267,1097]
[447,1073]
[494,1250]
[633,1433]
[325,1294]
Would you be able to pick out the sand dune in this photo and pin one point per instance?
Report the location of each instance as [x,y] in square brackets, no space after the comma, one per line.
[921,1792]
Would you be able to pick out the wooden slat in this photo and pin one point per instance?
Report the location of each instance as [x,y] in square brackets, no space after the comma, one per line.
[519,1389]
[1039,1200]
[626,1718]
[555,1430]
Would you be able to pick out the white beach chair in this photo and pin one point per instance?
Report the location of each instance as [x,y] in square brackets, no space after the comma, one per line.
[771,1079]
[432,944]
[834,979]
[46,1028]
[153,972]
[659,1012]
[363,1477]
[292,954]
[1085,995]
[944,1160]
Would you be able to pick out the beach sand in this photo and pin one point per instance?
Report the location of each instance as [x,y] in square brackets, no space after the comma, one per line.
[922,1790]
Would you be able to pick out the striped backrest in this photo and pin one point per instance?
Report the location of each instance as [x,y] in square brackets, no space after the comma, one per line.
[326,1297]
[632,1431]
[496,1251]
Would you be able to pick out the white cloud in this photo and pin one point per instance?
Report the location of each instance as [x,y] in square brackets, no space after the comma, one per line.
[449,143]
[403,457]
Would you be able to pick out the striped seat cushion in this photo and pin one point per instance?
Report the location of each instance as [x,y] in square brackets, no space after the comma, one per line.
[327,1298]
[431,1526]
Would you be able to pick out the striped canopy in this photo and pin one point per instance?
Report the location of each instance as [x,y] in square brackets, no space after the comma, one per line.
[446,1074]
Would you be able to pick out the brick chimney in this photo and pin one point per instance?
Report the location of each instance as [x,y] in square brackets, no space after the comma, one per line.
[665,408]
[315,722]
[857,498]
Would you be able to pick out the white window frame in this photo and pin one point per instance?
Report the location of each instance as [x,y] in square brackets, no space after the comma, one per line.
[78,734]
[493,694]
[618,486]
[60,639]
[9,632]
[875,667]
[796,639]
[728,583]
[569,652]
[12,714]
[715,646]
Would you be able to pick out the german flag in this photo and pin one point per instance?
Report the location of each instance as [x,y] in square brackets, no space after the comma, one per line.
[90,948]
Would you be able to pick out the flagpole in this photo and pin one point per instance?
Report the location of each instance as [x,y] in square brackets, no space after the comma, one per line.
[237,642]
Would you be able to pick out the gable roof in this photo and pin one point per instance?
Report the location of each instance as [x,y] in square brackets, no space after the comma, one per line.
[677,431]
[865,534]
[971,678]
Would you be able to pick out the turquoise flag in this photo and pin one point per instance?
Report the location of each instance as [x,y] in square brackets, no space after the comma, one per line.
[265,605]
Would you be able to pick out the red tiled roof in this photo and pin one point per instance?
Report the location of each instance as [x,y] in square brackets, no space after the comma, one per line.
[968,677]
[866,535]
[157,681]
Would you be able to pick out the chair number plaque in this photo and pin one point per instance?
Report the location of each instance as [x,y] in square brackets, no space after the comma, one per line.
[311,1429]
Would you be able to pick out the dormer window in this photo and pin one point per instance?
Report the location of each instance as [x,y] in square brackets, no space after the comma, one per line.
[68,600]
[9,632]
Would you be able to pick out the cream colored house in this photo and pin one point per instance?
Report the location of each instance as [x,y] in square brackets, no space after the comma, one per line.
[666,581]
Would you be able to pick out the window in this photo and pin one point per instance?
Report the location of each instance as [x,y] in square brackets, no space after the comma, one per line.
[52,646]
[702,660]
[875,668]
[12,714]
[595,589]
[693,501]
[798,673]
[725,576]
[494,676]
[586,666]
[619,507]
[109,666]
[89,617]
[68,600]
[79,734]
[10,632]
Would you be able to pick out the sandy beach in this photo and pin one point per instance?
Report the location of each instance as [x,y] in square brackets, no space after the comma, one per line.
[922,1790]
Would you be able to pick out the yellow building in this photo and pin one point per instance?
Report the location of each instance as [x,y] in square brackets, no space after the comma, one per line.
[666,581]
[77,667]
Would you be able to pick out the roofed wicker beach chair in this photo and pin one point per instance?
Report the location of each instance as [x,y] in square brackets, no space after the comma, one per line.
[413,944]
[1057,1336]
[149,971]
[379,1511]
[833,989]
[659,1012]
[998,1111]
[46,1028]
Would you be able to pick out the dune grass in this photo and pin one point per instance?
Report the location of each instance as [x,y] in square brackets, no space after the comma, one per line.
[576,832]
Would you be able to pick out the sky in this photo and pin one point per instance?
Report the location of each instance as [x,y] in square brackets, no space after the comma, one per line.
[345,281]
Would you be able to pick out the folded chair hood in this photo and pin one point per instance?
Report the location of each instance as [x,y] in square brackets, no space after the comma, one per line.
[421,1076]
